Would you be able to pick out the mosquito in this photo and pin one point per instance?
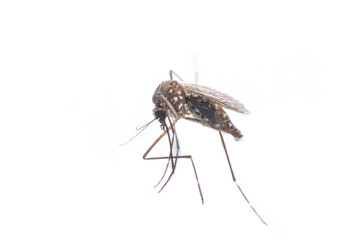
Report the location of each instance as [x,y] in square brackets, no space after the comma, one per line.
[174,101]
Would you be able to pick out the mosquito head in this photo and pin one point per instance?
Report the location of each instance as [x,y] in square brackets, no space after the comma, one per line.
[160,114]
[160,109]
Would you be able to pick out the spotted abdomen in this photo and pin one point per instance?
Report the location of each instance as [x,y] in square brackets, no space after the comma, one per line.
[212,113]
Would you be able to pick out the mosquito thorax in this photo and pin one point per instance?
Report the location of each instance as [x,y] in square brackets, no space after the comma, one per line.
[169,93]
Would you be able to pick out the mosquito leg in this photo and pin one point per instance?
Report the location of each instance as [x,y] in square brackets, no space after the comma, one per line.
[156,142]
[234,179]
[170,106]
[175,138]
[157,158]
[171,158]
[171,75]
[162,177]
[172,126]
[196,176]
[228,159]
[197,179]
[173,164]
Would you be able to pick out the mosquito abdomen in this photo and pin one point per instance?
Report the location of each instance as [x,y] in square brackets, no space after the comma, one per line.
[212,113]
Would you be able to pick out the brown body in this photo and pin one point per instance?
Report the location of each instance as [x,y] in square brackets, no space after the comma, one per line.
[198,104]
[183,101]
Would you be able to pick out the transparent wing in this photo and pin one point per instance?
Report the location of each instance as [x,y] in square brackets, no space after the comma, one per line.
[220,98]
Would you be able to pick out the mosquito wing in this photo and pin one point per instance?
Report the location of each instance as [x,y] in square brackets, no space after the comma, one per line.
[213,95]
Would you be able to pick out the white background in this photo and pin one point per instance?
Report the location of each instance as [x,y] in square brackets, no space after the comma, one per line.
[77,78]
